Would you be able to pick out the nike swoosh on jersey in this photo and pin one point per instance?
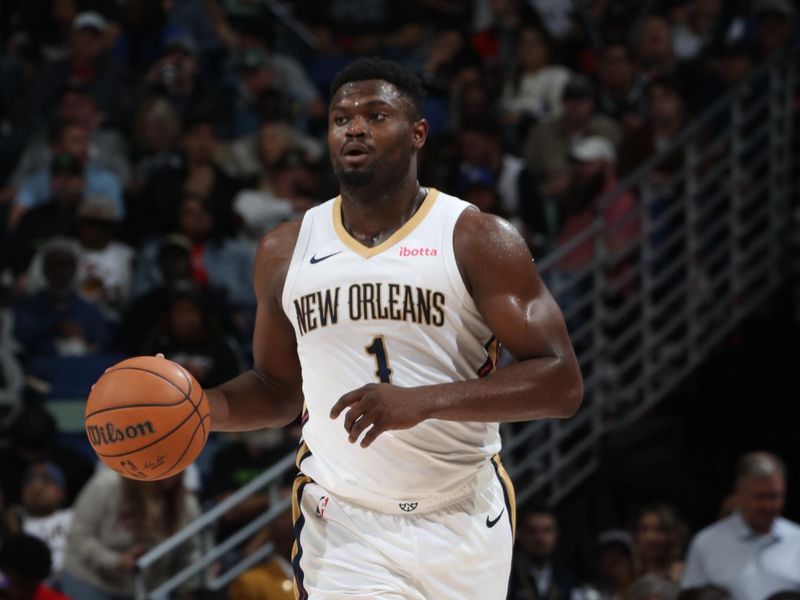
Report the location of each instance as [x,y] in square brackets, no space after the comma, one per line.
[492,522]
[314,260]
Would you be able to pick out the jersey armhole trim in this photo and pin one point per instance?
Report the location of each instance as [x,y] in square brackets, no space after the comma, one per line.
[451,263]
[300,247]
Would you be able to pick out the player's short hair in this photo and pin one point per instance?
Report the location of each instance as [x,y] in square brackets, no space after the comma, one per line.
[401,78]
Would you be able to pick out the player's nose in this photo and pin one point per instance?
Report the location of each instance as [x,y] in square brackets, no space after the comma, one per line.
[357,127]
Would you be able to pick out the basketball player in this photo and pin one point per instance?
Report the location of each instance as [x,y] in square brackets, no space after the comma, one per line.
[379,315]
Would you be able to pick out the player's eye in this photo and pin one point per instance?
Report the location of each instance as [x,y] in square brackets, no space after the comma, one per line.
[377,116]
[339,121]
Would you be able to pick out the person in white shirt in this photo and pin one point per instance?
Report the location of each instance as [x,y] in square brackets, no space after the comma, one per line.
[754,552]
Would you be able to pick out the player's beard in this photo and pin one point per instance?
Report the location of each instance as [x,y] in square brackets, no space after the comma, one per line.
[356,179]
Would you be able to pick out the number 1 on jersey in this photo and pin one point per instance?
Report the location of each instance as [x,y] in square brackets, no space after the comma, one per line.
[378,349]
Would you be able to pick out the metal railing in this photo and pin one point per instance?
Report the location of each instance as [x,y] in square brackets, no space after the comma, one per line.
[661,287]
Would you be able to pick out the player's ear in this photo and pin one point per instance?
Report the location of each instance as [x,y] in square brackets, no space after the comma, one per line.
[419,133]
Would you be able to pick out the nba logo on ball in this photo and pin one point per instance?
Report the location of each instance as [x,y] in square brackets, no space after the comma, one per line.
[147,418]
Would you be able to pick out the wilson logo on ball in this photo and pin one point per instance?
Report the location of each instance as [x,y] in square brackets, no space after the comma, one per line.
[109,434]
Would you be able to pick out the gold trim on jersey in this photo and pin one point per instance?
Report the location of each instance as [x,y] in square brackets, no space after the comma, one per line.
[407,227]
[508,488]
[297,489]
[303,452]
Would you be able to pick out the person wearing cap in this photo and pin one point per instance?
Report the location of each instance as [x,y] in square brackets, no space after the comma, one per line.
[42,512]
[754,552]
[259,70]
[67,138]
[546,149]
[593,174]
[51,218]
[105,270]
[90,64]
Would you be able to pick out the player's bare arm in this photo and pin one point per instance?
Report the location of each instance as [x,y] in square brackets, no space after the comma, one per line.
[269,394]
[498,270]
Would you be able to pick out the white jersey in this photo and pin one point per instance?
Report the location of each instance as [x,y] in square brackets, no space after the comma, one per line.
[398,312]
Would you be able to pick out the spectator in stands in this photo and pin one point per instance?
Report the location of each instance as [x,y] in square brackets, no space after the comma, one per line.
[191,335]
[535,574]
[157,129]
[56,321]
[699,31]
[176,76]
[286,187]
[484,159]
[449,60]
[24,565]
[72,139]
[33,441]
[106,149]
[57,217]
[252,157]
[654,50]
[668,116]
[660,540]
[260,70]
[105,266]
[157,207]
[653,587]
[775,24]
[621,93]
[707,592]
[614,568]
[89,64]
[43,512]
[593,175]
[548,145]
[497,31]
[115,521]
[752,552]
[535,91]
[174,275]
[216,260]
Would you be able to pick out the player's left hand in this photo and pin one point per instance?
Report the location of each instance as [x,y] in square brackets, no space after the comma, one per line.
[383,406]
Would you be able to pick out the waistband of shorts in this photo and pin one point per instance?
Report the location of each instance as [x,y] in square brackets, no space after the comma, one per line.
[418,506]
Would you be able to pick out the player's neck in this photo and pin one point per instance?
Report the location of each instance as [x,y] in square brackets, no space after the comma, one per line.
[372,215]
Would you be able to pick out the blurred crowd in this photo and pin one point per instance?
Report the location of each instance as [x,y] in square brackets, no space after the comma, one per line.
[147,145]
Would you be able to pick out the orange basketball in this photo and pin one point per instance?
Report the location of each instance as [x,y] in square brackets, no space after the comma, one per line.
[147,418]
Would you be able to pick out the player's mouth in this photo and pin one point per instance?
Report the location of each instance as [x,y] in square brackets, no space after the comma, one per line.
[355,153]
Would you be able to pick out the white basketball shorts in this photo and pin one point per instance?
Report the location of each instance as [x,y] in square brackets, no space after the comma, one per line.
[459,552]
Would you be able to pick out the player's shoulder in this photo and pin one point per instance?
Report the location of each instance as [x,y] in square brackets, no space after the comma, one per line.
[277,246]
[485,234]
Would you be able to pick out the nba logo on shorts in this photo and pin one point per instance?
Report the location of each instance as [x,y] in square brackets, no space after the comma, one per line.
[323,502]
[408,506]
